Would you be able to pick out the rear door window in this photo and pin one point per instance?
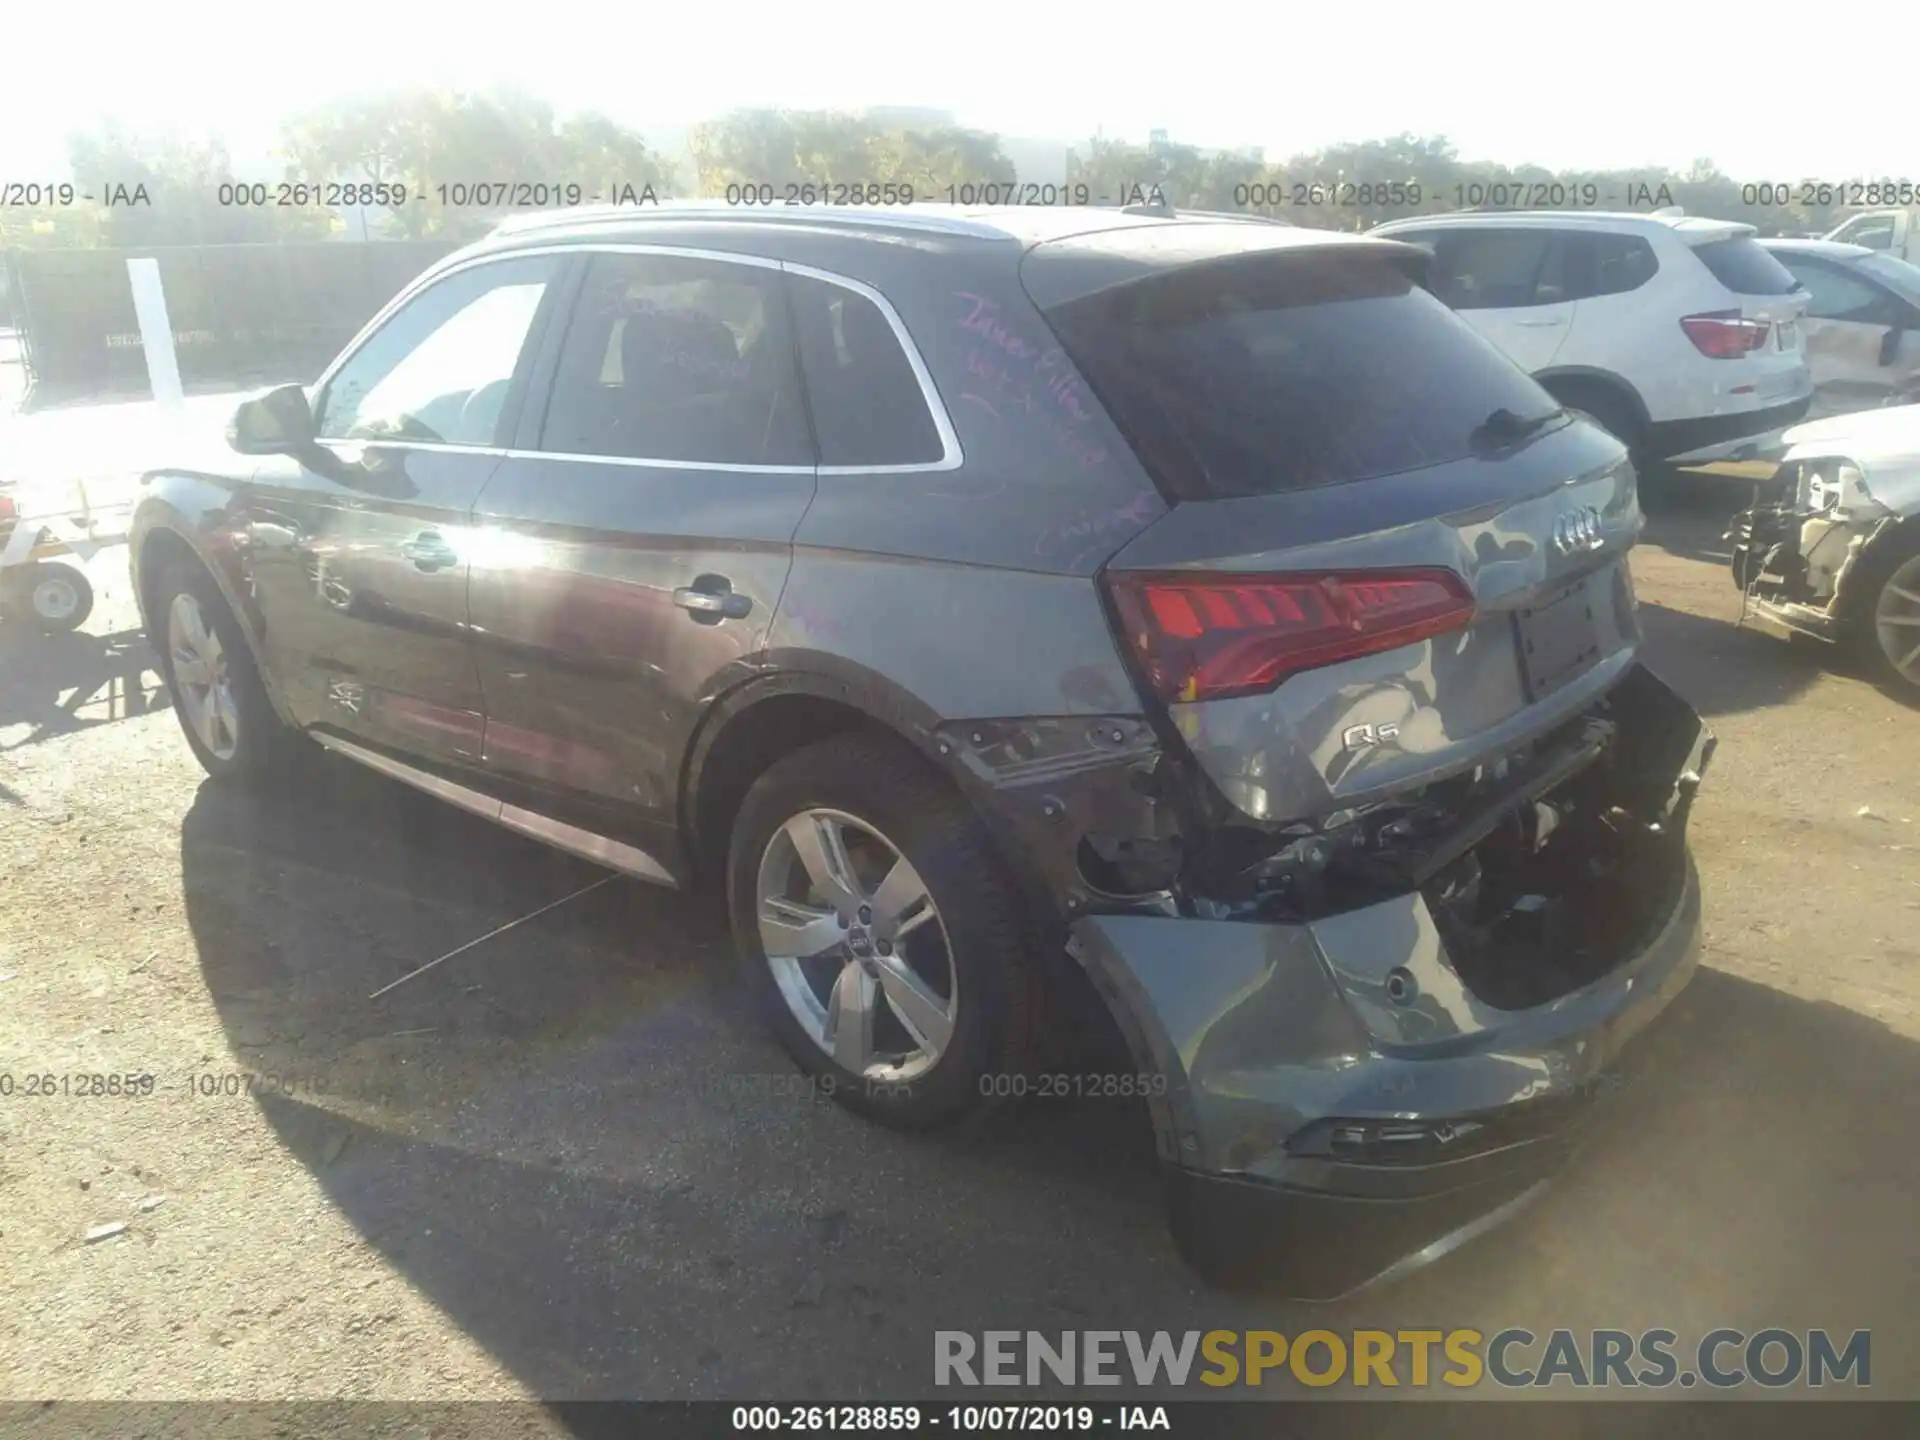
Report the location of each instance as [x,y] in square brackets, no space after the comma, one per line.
[1745,267]
[1278,373]
[1602,264]
[1496,269]
[869,410]
[678,359]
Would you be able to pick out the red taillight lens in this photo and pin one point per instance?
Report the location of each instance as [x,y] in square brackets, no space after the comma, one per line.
[7,512]
[1725,334]
[1206,637]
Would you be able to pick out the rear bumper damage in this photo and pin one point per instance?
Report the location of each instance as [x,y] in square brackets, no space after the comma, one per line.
[1343,1101]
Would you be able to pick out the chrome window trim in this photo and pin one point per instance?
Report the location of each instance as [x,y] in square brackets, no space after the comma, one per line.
[632,463]
[952,456]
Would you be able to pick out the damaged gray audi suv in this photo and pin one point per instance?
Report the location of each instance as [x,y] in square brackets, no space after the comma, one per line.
[971,593]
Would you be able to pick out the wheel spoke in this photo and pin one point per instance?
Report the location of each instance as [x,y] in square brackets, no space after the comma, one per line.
[920,1010]
[228,715]
[186,615]
[915,919]
[901,902]
[822,849]
[849,1029]
[1910,665]
[1904,594]
[1900,619]
[206,721]
[190,669]
[790,929]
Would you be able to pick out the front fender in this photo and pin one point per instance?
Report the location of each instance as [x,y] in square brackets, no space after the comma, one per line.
[191,512]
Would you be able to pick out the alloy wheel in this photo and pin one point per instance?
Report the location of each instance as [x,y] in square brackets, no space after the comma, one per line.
[857,946]
[202,683]
[1896,620]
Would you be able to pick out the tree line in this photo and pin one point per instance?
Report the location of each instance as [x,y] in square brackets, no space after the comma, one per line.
[441,164]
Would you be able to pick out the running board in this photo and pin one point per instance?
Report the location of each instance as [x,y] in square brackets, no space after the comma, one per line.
[602,850]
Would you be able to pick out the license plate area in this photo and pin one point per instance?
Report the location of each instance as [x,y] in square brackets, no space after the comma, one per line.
[1559,639]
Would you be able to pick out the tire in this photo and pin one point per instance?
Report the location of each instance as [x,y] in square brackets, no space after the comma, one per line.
[58,596]
[1886,613]
[247,741]
[974,956]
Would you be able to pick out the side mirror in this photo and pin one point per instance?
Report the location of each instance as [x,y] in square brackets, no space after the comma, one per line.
[1890,344]
[275,422]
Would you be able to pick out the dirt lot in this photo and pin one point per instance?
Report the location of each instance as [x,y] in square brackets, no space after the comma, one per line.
[563,1164]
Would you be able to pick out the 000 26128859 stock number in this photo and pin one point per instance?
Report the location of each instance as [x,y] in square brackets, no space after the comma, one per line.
[293,194]
[819,192]
[1066,1085]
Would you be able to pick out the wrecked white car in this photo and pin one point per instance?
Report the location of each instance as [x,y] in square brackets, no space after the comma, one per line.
[1836,553]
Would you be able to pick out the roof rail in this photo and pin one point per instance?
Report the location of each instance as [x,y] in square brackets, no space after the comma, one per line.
[942,219]
[1164,209]
[1240,215]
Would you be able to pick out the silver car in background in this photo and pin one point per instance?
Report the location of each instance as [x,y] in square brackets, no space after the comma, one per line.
[1862,324]
[1835,553]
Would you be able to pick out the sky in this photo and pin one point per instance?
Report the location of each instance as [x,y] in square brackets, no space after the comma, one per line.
[1652,83]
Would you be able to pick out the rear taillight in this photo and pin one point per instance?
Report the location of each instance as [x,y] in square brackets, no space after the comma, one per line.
[7,512]
[1725,334]
[1207,637]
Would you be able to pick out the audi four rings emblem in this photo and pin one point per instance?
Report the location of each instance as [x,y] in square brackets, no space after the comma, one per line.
[1577,530]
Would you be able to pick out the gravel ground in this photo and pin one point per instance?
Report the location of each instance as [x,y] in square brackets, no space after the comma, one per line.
[563,1164]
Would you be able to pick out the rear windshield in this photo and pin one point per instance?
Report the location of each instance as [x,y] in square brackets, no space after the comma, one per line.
[1276,373]
[1745,268]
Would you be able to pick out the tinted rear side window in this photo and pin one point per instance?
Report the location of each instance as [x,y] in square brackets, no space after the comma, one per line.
[1603,264]
[868,407]
[1497,269]
[678,359]
[1281,373]
[1744,267]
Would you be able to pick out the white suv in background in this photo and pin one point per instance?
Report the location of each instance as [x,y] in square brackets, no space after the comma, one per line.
[1679,335]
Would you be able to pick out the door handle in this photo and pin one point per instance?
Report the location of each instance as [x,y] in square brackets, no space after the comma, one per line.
[1539,324]
[429,552]
[713,602]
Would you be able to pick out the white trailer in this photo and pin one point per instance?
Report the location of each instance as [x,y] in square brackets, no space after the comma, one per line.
[43,529]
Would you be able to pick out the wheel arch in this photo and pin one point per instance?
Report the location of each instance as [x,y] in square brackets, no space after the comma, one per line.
[773,714]
[1564,381]
[162,536]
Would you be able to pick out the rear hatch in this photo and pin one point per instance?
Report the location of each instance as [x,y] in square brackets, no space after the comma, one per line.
[1390,558]
[1762,321]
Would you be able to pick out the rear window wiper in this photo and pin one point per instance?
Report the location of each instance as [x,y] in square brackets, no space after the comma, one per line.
[1505,427]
